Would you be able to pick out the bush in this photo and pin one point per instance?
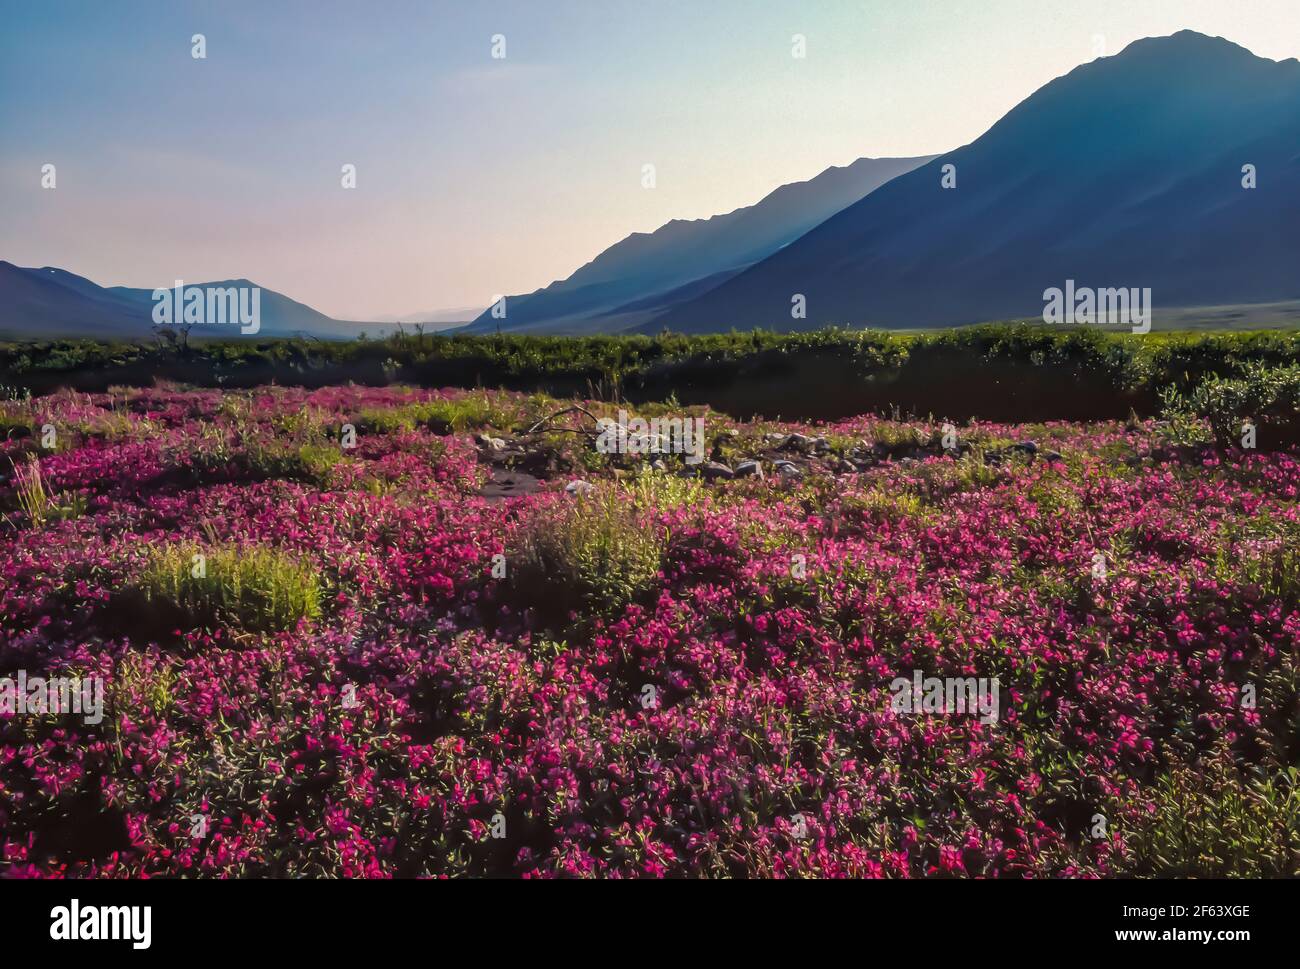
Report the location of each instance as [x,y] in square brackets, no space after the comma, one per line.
[993,371]
[255,589]
[1269,397]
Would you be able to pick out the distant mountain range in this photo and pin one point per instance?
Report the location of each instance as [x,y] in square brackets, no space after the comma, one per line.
[1126,172]
[646,273]
[452,316]
[50,303]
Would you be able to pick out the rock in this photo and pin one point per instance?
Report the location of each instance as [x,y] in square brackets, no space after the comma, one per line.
[658,464]
[749,469]
[509,484]
[788,470]
[714,470]
[845,466]
[579,487]
[491,443]
[1027,447]
[797,442]
[819,444]
[1052,456]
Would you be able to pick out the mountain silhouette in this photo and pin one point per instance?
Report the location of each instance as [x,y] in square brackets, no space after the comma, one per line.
[51,303]
[649,271]
[1126,172]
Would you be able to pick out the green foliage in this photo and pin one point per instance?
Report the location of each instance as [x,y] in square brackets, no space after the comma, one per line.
[316,461]
[876,505]
[897,439]
[596,551]
[444,416]
[254,589]
[33,498]
[1009,371]
[1216,823]
[1262,554]
[1181,427]
[655,490]
[1269,397]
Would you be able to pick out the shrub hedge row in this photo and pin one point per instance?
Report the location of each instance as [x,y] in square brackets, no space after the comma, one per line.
[995,371]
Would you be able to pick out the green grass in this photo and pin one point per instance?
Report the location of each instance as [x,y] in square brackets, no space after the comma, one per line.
[33,498]
[1215,822]
[470,412]
[316,462]
[595,551]
[16,419]
[254,589]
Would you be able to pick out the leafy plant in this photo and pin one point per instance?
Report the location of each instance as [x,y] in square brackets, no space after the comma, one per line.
[1268,397]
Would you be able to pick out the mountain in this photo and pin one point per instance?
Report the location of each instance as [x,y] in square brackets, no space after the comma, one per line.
[451,316]
[50,303]
[1126,172]
[648,272]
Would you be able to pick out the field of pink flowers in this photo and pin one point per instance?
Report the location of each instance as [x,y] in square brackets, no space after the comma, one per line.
[432,654]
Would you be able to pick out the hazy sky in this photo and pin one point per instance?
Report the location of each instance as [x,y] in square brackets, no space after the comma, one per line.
[478,176]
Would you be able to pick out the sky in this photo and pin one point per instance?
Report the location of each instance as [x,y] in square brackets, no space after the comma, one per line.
[479,175]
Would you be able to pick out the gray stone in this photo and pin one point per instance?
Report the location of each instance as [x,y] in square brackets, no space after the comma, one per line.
[797,442]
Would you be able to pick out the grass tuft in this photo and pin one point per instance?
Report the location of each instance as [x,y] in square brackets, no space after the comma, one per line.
[595,551]
[255,589]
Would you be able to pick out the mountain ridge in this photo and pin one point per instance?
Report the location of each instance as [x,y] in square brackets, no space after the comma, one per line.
[643,265]
[53,303]
[1053,198]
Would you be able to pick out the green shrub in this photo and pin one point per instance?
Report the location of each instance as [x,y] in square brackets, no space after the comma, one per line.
[256,589]
[1269,397]
[1016,370]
